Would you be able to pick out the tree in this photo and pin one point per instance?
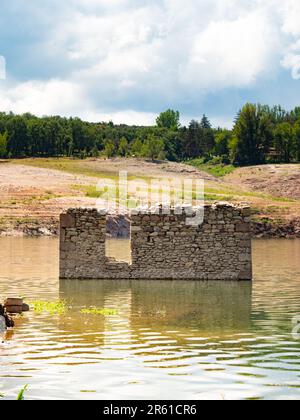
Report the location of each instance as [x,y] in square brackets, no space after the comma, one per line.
[109,149]
[136,147]
[17,136]
[172,142]
[191,140]
[258,130]
[70,150]
[169,119]
[197,141]
[153,148]
[81,139]
[123,147]
[284,142]
[207,142]
[297,140]
[95,152]
[277,114]
[205,123]
[3,145]
[232,146]
[253,132]
[295,115]
[222,141]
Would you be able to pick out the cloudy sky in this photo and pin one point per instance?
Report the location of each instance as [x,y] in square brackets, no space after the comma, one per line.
[127,60]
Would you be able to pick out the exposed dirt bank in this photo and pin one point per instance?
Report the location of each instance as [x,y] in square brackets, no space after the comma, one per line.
[31,199]
[277,180]
[33,192]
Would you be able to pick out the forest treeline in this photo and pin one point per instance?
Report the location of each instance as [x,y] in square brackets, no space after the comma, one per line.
[260,134]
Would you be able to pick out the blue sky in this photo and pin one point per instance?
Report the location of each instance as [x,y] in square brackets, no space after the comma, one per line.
[127,60]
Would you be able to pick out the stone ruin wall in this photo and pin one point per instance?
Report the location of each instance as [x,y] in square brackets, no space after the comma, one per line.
[163,246]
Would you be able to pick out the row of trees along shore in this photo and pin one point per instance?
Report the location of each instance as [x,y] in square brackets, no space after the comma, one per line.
[260,134]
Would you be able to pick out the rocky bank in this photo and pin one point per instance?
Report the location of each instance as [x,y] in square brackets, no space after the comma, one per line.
[119,227]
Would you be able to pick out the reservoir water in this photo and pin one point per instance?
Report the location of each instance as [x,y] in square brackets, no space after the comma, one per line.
[167,340]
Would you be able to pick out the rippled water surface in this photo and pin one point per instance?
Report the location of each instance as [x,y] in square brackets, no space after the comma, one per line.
[185,340]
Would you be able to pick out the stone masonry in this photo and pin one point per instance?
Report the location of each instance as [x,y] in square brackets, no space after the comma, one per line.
[163,246]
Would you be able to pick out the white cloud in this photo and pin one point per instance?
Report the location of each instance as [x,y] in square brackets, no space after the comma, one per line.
[57,97]
[231,52]
[41,98]
[290,10]
[132,58]
[292,62]
[127,116]
[162,50]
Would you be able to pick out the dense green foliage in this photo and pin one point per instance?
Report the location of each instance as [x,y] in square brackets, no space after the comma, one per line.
[3,144]
[169,119]
[260,134]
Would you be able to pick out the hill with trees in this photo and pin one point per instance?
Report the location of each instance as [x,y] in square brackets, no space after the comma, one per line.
[261,134]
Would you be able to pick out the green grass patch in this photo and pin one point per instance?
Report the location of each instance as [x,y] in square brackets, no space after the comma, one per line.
[242,193]
[73,166]
[89,190]
[218,170]
[88,167]
[93,192]
[99,311]
[283,199]
[53,308]
[217,197]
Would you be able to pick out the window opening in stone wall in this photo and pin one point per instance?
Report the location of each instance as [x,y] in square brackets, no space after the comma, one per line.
[118,238]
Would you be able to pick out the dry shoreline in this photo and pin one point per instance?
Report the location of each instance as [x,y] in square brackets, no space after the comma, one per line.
[33,192]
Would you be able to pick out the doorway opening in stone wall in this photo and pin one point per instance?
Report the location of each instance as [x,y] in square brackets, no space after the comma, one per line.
[118,238]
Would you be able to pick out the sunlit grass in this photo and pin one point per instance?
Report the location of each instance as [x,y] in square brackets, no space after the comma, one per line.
[218,170]
[73,166]
[18,220]
[89,190]
[235,193]
[87,167]
[53,308]
[219,197]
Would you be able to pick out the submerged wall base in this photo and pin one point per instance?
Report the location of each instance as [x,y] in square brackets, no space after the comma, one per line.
[163,246]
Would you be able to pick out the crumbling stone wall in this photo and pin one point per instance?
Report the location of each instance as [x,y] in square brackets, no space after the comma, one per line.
[163,246]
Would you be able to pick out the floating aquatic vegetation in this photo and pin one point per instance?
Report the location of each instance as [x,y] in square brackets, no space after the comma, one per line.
[99,311]
[53,308]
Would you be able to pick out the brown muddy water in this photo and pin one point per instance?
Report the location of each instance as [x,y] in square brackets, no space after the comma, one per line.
[169,340]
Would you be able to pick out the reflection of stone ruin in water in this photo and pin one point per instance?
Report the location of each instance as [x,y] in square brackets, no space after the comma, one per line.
[175,308]
[162,246]
[204,306]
